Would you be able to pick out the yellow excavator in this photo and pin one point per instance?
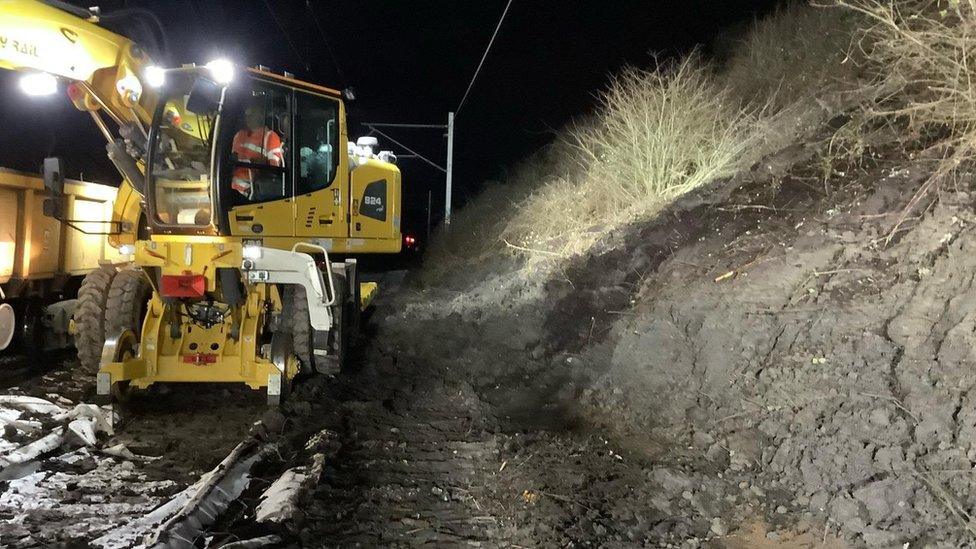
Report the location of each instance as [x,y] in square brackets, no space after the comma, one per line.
[240,187]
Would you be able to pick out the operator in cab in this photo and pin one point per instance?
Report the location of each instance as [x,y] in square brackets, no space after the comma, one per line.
[255,144]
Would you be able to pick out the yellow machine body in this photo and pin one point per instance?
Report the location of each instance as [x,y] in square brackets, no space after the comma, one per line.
[230,351]
[199,354]
[333,217]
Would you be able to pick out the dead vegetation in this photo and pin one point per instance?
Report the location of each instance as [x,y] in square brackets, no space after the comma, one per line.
[657,134]
[477,227]
[795,53]
[922,50]
[661,132]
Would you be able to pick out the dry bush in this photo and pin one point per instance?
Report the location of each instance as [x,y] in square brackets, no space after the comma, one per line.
[796,52]
[923,49]
[657,135]
[474,235]
[927,46]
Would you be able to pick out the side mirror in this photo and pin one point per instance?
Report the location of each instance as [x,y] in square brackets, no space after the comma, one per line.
[349,93]
[204,97]
[54,183]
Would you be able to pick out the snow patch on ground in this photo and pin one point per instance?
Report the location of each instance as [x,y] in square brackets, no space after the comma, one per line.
[57,483]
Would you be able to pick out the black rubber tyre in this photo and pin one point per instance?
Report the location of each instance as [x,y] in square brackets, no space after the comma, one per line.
[299,323]
[89,316]
[128,297]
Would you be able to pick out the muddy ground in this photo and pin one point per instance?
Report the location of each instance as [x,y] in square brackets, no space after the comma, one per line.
[775,353]
[171,435]
[778,359]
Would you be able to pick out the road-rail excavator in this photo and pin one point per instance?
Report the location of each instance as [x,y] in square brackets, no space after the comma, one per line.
[239,188]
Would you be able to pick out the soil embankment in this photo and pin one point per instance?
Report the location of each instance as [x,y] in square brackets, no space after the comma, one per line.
[773,350]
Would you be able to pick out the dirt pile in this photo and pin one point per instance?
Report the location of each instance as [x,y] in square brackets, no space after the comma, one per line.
[426,451]
[762,349]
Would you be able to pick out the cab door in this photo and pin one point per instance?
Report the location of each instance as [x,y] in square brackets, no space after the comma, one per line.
[260,161]
[321,178]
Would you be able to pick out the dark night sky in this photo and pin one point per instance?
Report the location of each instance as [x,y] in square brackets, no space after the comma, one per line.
[409,61]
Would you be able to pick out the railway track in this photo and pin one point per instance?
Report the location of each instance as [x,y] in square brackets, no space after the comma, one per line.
[416,462]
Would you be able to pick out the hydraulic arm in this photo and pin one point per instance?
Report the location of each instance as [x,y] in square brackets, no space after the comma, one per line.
[105,75]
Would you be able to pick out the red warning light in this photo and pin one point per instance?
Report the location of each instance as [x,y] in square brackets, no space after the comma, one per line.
[75,92]
[184,285]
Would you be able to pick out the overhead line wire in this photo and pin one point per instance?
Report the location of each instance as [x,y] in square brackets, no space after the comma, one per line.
[483,57]
[287,36]
[328,45]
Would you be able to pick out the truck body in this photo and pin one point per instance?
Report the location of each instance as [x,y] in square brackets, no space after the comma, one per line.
[43,260]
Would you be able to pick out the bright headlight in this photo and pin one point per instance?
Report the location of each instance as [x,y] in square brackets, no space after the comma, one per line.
[252,252]
[38,84]
[222,71]
[155,76]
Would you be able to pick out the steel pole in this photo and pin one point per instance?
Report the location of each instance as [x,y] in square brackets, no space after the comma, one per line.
[450,167]
[429,201]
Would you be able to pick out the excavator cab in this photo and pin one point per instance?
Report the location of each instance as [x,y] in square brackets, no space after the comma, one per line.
[266,157]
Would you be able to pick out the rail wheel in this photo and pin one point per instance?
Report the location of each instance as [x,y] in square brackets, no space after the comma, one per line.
[119,348]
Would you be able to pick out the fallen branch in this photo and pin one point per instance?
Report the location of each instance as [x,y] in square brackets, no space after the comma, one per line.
[48,443]
[253,543]
[532,250]
[280,502]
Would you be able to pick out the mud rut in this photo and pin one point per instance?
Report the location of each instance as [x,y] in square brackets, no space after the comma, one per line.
[417,455]
[423,458]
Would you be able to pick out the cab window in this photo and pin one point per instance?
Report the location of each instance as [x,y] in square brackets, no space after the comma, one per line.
[258,149]
[317,136]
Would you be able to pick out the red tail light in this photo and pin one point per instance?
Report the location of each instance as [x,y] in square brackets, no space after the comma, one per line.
[187,285]
[75,92]
[409,240]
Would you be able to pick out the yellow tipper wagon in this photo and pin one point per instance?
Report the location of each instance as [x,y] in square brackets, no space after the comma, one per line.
[41,258]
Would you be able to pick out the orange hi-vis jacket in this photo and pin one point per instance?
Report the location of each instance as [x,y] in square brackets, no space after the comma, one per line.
[261,146]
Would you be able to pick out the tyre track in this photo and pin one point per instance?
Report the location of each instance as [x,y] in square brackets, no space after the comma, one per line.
[413,467]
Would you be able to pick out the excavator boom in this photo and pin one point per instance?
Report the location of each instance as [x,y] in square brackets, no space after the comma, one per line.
[105,74]
[104,67]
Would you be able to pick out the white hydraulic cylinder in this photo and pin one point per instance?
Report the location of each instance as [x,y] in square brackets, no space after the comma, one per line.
[274,266]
